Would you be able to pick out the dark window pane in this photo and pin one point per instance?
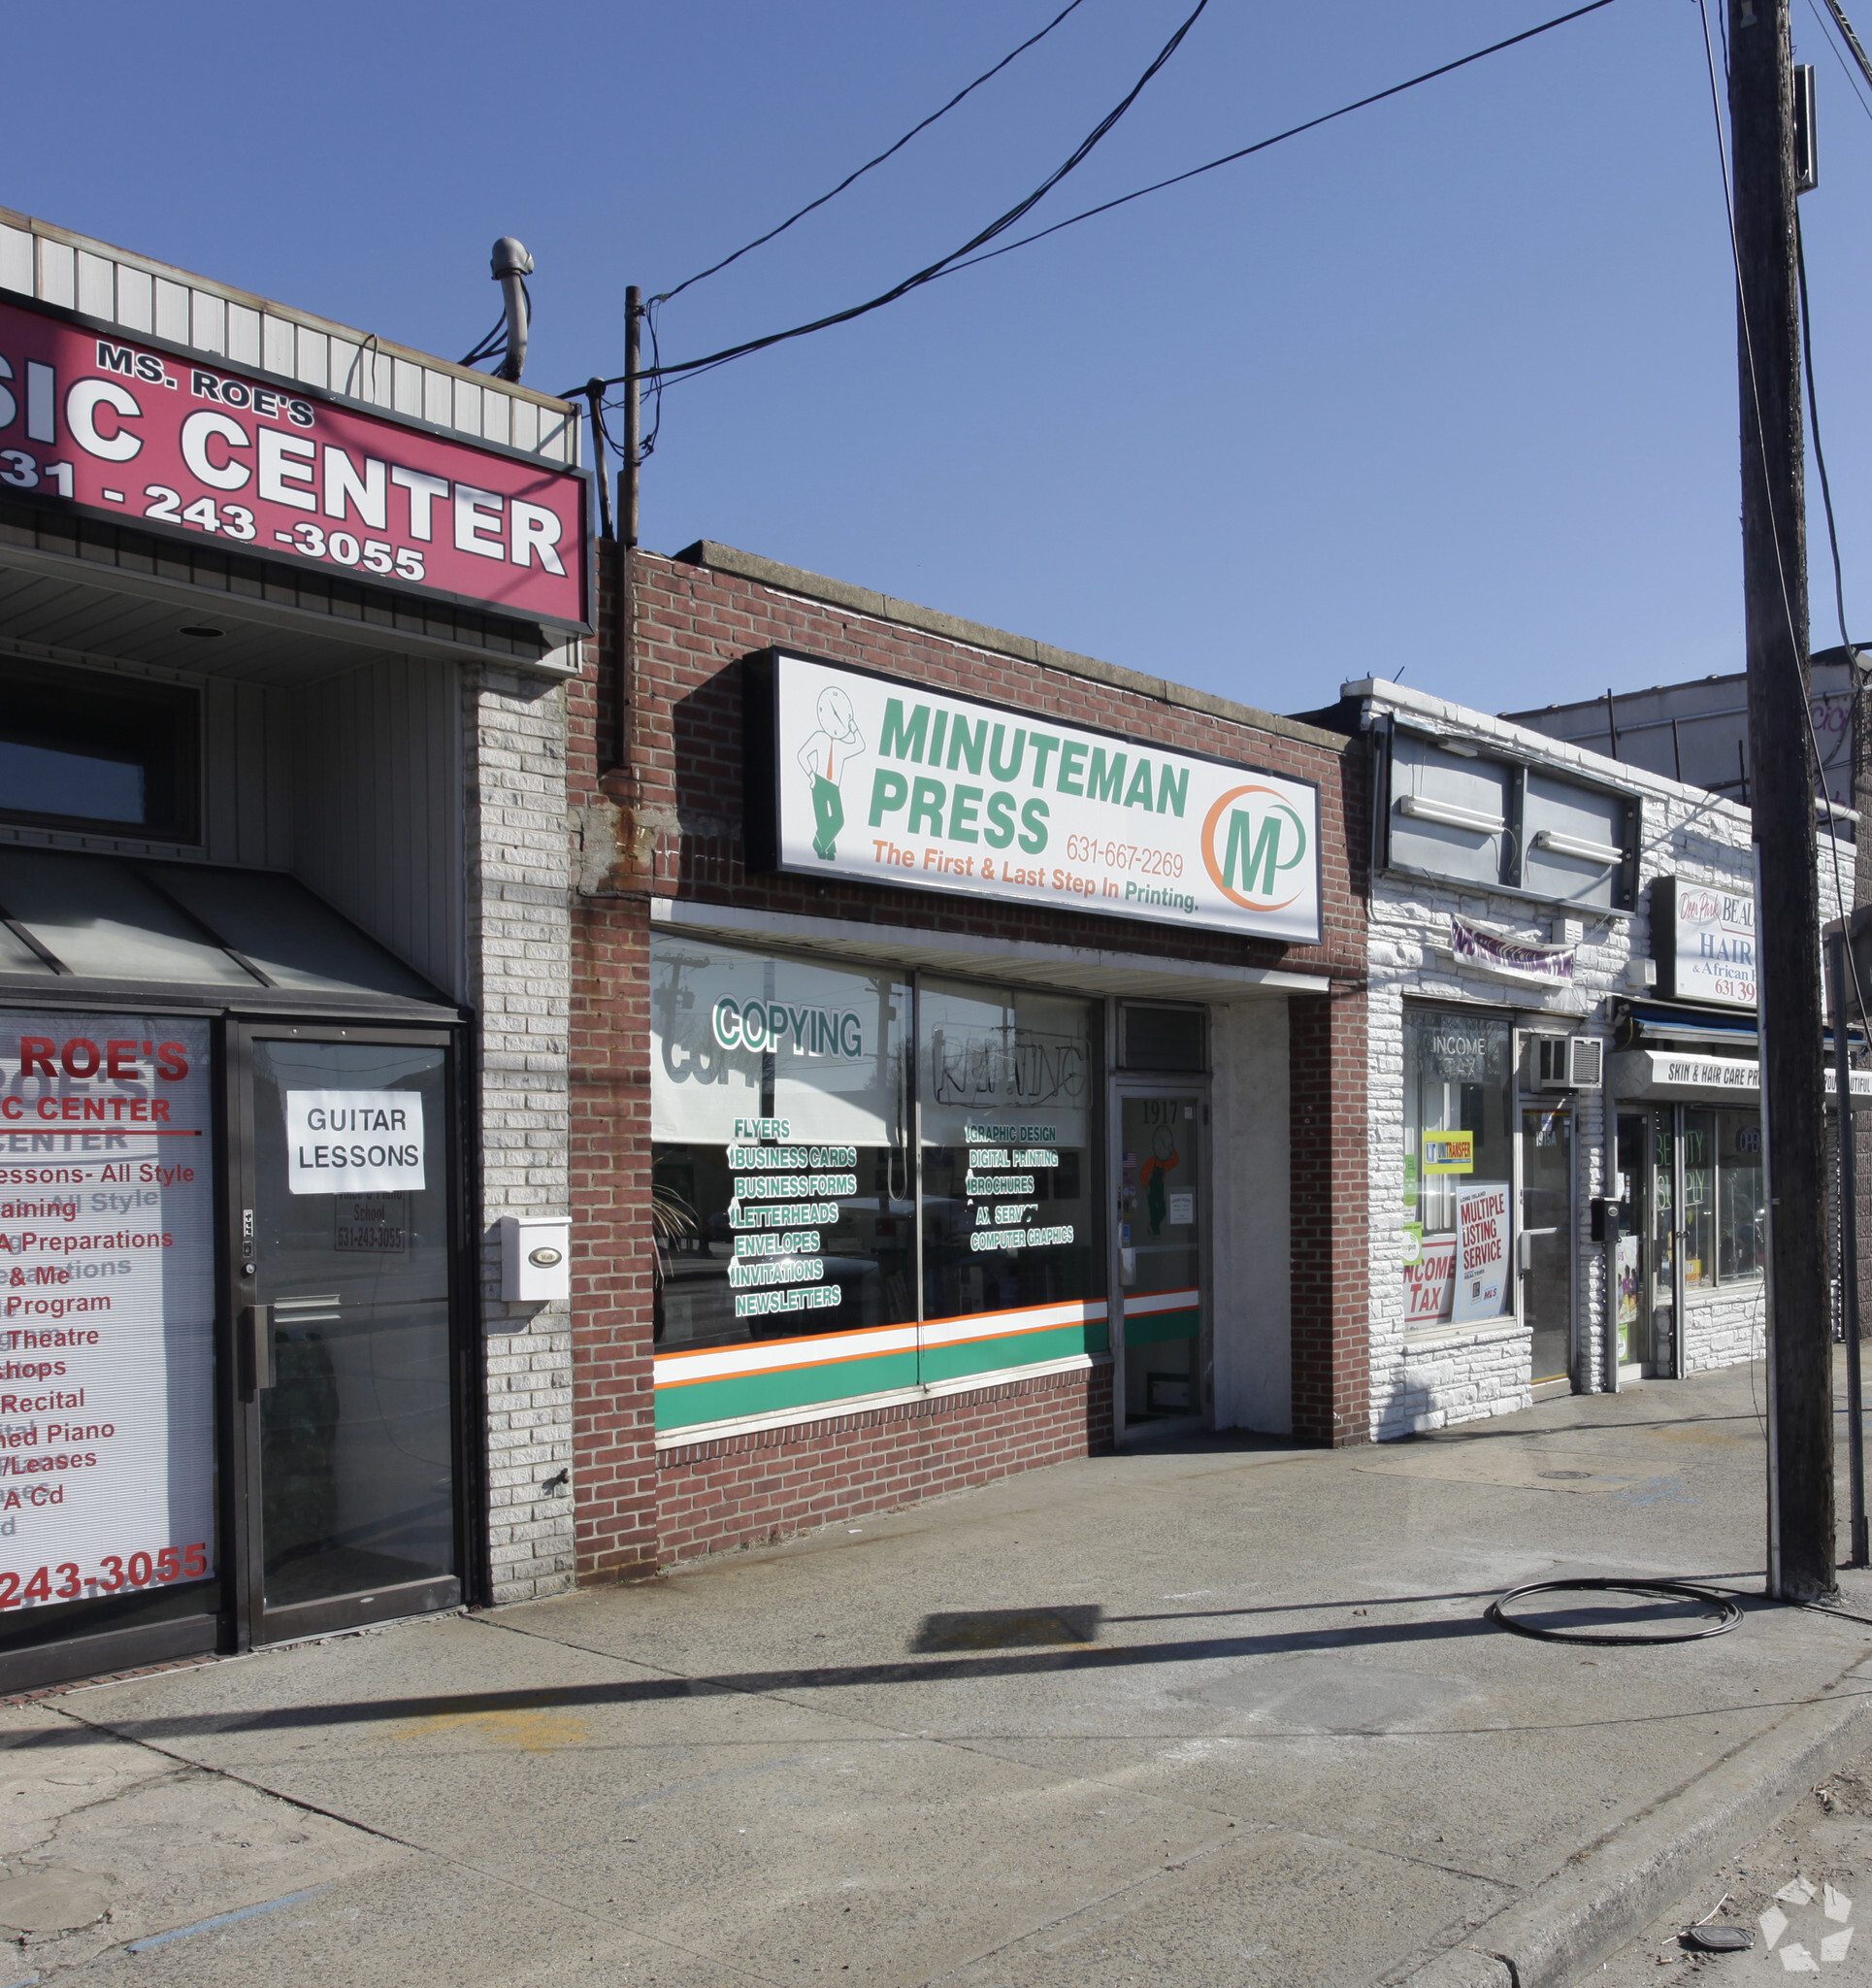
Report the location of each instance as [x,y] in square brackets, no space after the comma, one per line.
[81,747]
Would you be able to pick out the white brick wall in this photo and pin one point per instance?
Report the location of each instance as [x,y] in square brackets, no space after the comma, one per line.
[1448,1374]
[519,972]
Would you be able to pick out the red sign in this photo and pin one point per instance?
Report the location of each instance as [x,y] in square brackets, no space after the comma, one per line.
[135,432]
[1428,1284]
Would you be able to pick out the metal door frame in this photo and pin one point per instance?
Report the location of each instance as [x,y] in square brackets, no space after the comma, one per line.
[244,1548]
[1567,1102]
[1143,1085]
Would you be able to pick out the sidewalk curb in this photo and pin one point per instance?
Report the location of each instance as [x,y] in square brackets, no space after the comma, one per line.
[1607,1893]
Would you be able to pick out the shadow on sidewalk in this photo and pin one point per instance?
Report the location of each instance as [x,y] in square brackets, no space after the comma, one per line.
[933,1669]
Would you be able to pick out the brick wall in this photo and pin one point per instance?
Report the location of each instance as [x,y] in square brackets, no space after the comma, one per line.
[749,1488]
[671,827]
[1332,1354]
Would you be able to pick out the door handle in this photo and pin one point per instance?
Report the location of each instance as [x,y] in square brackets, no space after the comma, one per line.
[256,1349]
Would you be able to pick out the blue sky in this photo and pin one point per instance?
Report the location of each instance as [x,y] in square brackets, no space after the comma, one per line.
[1447,388]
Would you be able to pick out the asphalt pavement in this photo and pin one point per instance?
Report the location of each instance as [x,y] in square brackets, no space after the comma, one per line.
[1221,1712]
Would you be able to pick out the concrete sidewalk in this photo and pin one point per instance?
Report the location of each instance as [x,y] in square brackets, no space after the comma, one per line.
[1221,1713]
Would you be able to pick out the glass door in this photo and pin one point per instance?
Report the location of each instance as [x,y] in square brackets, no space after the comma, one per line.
[1646,1270]
[346,1342]
[1547,1231]
[1162,1224]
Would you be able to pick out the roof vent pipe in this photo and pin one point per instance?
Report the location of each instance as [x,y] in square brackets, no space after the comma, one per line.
[513,265]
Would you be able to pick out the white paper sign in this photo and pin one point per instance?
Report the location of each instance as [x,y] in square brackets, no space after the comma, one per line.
[107,1305]
[1182,1210]
[1482,1235]
[353,1142]
[893,782]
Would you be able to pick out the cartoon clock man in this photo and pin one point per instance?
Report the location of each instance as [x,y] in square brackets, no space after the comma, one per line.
[823,759]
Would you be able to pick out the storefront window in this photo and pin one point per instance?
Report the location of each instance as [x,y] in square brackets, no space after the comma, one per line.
[1006,1081]
[1458,1165]
[786,1185]
[782,1194]
[1699,1199]
[1741,1244]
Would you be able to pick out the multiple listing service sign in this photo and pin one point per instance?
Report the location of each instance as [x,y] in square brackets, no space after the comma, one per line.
[135,433]
[888,782]
[107,1305]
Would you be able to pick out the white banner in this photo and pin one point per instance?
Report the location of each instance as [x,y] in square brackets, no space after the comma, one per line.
[107,1305]
[353,1142]
[1514,959]
[890,782]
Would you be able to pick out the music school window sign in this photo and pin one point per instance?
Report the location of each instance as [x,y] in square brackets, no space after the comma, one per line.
[1457,1167]
[107,1307]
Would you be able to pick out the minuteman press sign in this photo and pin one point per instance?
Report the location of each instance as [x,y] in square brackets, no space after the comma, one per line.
[131,431]
[888,782]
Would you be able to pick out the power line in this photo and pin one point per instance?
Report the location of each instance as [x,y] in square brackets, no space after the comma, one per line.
[760,240]
[1819,455]
[1846,68]
[1280,137]
[1075,158]
[953,263]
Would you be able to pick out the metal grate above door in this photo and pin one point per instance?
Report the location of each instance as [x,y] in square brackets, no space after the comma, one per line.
[1166,1038]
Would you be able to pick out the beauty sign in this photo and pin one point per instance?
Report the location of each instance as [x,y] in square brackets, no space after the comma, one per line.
[1703,935]
[888,782]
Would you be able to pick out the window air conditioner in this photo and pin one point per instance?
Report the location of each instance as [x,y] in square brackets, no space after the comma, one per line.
[1569,1063]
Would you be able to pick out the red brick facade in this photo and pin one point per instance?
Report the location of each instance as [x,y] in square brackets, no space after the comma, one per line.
[669,825]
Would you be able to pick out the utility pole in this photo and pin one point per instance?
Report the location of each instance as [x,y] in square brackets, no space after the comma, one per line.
[627,469]
[1801,1551]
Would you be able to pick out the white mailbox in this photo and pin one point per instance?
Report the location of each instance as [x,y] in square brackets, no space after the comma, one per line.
[536,1258]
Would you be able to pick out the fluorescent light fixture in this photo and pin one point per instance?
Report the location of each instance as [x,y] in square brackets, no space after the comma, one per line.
[1447,815]
[1578,845]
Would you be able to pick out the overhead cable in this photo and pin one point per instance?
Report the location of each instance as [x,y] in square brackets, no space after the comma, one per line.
[1853,82]
[964,259]
[1280,137]
[760,240]
[1075,158]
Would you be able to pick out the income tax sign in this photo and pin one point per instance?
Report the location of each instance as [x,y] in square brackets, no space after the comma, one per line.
[137,433]
[888,782]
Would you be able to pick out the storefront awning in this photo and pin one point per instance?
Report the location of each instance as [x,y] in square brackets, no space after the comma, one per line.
[1682,1076]
[70,916]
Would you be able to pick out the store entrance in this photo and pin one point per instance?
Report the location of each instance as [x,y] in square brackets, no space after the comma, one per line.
[343,1230]
[1547,1236]
[1645,1274]
[1162,1225]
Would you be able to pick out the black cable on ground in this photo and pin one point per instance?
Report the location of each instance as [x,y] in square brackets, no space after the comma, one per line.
[1727,1613]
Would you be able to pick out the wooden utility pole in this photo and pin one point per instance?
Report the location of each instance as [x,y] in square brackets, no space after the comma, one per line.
[1774,564]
